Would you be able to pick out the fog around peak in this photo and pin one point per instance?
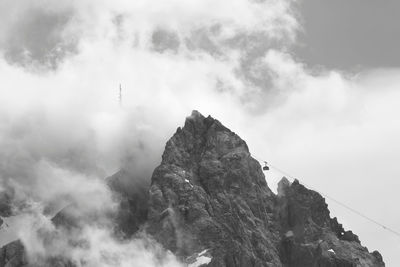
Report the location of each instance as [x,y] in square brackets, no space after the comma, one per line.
[63,130]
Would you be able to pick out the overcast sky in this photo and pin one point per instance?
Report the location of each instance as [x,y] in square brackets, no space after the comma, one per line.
[312,86]
[350,34]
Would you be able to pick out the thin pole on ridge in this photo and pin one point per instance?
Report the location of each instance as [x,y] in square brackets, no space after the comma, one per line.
[120,95]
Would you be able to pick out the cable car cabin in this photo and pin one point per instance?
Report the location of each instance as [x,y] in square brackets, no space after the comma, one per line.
[265,168]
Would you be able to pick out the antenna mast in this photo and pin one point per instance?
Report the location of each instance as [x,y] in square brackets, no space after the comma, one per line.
[120,95]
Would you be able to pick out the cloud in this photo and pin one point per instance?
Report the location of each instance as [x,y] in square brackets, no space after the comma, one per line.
[91,245]
[46,32]
[32,34]
[338,134]
[62,128]
[69,118]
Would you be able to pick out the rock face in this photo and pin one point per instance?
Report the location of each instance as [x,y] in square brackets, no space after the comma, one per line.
[5,203]
[132,195]
[210,194]
[13,255]
[210,205]
[311,238]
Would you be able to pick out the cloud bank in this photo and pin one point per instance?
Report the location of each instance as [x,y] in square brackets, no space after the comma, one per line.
[60,111]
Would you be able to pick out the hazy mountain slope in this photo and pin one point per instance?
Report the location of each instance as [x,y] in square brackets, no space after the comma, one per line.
[210,205]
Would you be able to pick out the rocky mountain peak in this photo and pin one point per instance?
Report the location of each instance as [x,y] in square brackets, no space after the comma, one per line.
[210,194]
[202,136]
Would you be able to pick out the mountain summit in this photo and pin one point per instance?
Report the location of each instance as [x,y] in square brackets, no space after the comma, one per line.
[210,205]
[210,195]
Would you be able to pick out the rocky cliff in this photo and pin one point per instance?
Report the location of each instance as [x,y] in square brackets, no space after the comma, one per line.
[210,195]
[210,205]
[310,237]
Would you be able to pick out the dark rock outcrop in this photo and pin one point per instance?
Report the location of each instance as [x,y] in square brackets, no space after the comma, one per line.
[5,203]
[311,237]
[132,195]
[210,194]
[67,218]
[13,255]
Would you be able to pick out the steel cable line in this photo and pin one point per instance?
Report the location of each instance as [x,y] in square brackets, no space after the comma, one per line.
[287,175]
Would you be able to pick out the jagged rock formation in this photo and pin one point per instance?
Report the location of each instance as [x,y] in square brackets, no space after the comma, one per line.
[12,254]
[210,205]
[5,203]
[311,237]
[210,194]
[132,195]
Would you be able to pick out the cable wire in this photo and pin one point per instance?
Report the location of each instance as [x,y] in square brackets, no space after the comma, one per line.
[287,175]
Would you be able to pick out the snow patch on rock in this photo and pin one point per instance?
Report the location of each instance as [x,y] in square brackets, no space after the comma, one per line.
[201,259]
[187,181]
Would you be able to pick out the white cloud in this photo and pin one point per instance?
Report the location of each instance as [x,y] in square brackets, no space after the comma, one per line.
[63,131]
[91,246]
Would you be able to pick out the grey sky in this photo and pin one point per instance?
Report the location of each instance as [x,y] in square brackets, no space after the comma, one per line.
[350,33]
[35,37]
